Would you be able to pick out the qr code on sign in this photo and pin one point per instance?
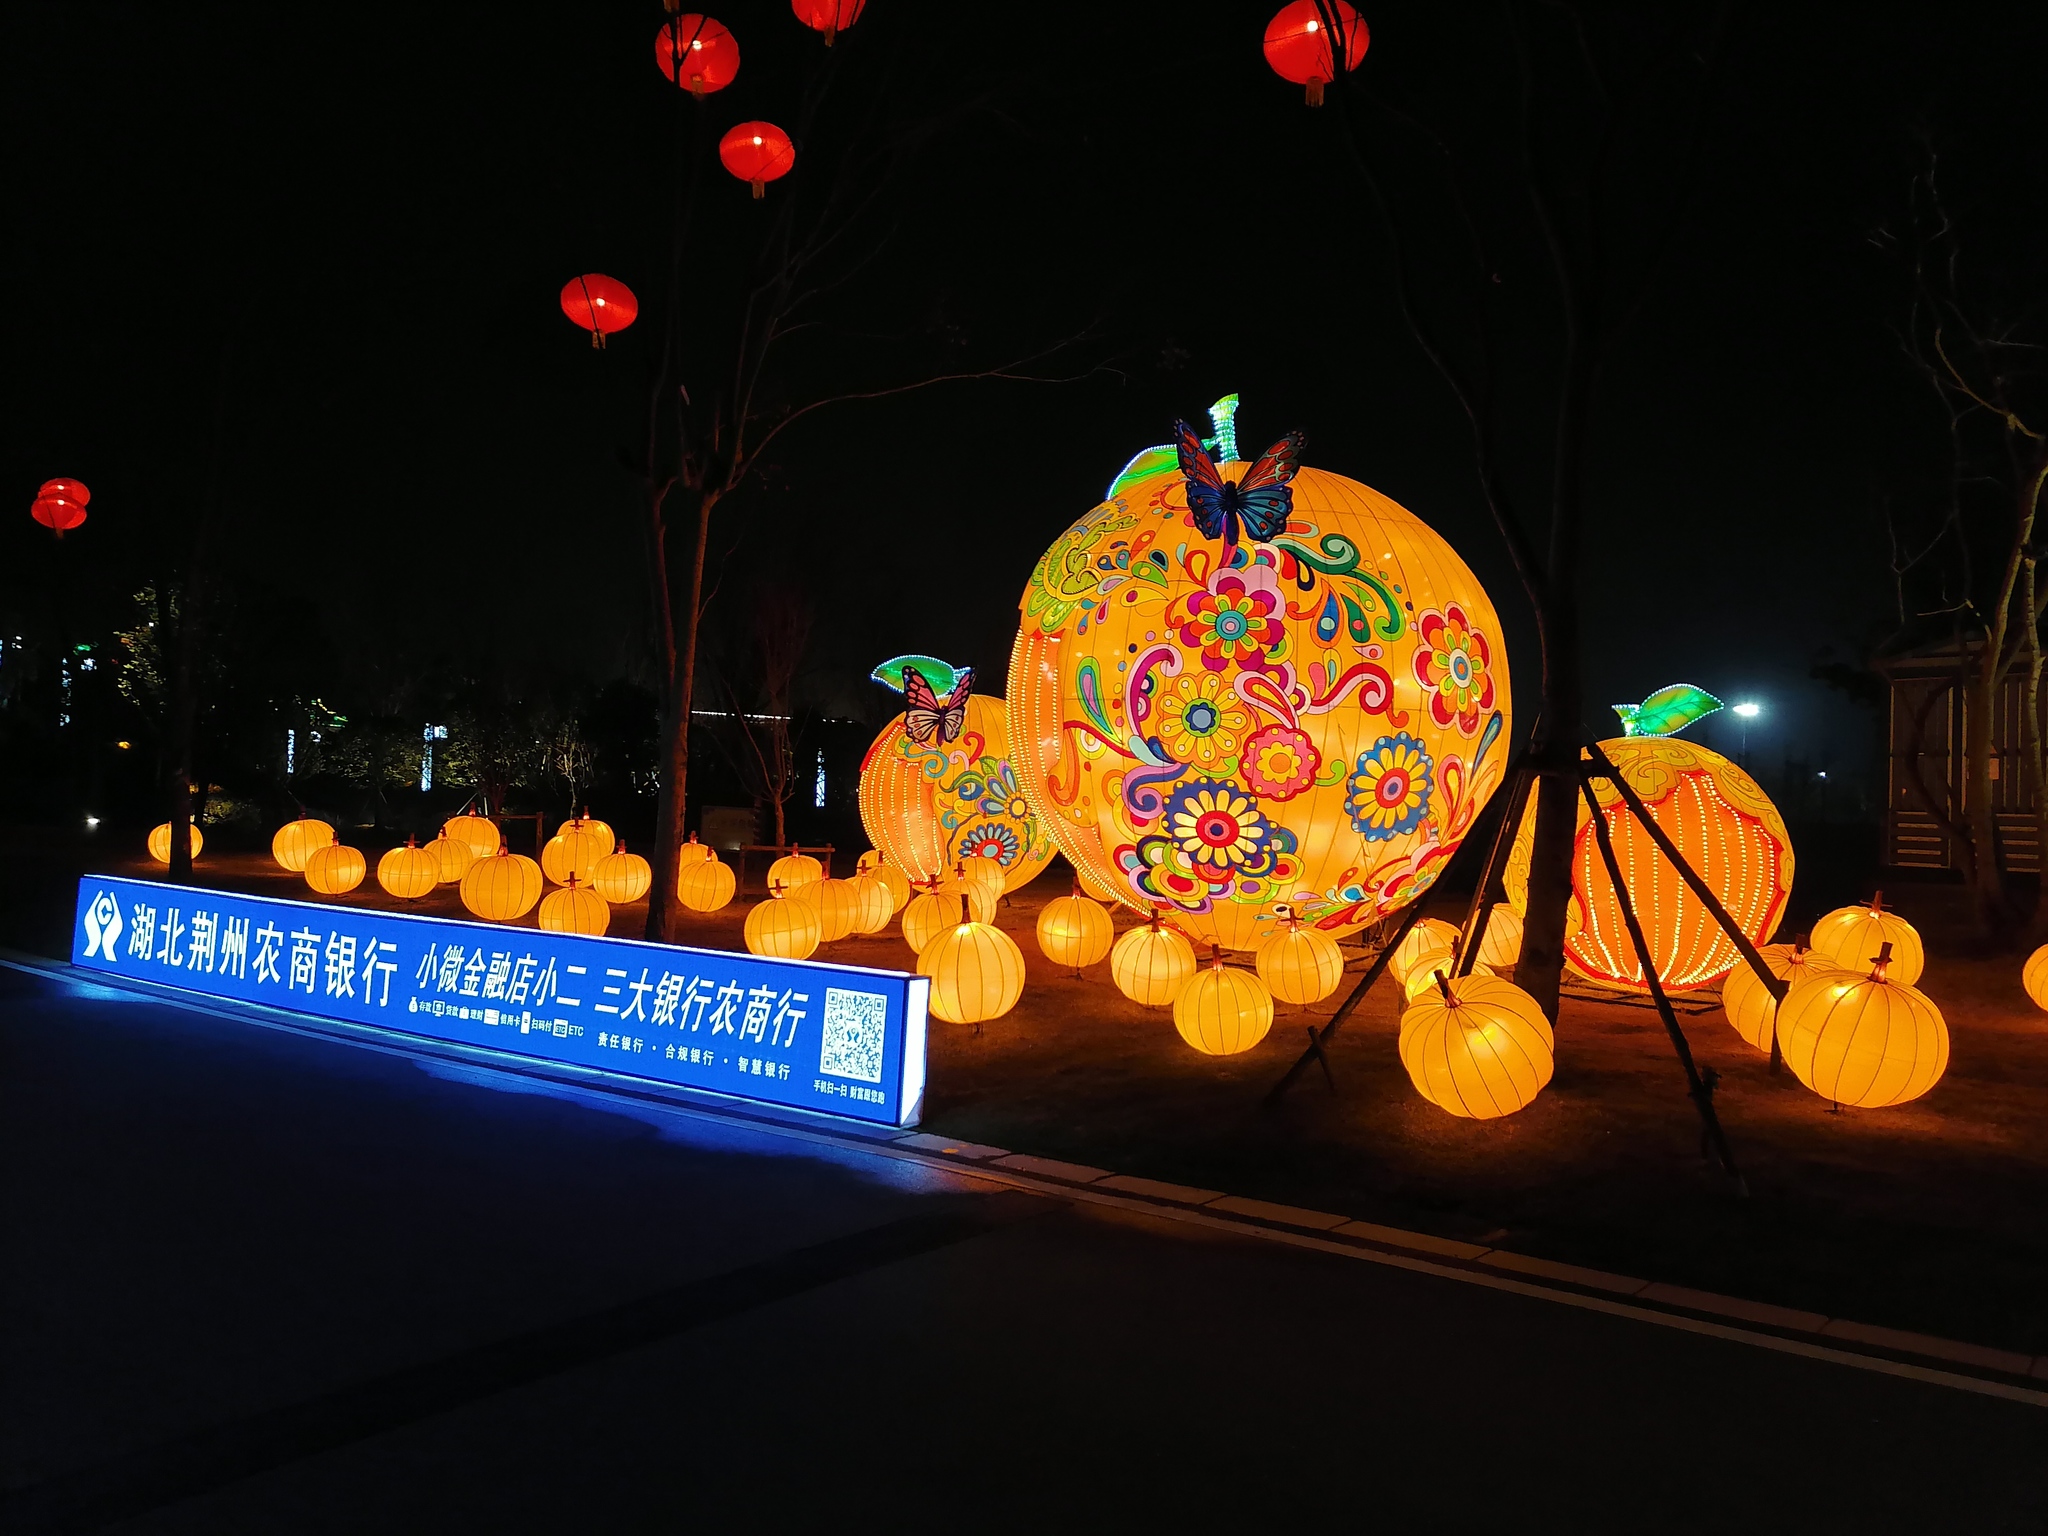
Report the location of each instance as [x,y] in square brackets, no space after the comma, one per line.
[853,1034]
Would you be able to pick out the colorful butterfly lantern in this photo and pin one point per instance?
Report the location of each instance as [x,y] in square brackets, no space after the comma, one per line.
[937,787]
[1241,691]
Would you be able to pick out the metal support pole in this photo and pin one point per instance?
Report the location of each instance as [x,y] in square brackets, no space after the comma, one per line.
[1490,888]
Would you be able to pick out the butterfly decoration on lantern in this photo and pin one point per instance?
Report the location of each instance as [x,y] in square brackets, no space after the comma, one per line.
[1258,504]
[937,787]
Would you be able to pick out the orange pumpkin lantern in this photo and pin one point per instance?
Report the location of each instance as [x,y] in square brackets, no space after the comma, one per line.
[452,857]
[834,902]
[1748,1002]
[409,872]
[480,832]
[875,864]
[1866,1041]
[621,876]
[295,841]
[792,870]
[572,853]
[503,887]
[705,885]
[1724,825]
[1151,964]
[160,841]
[1478,1046]
[335,870]
[1852,936]
[977,973]
[873,906]
[1074,931]
[575,908]
[1300,965]
[782,930]
[1222,1011]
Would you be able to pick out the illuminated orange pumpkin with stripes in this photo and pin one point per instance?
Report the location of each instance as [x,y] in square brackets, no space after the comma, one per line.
[1724,825]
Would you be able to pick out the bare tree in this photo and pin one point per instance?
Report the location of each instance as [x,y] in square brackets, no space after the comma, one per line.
[759,740]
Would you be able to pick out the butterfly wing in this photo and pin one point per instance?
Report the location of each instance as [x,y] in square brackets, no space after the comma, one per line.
[922,716]
[1265,496]
[1206,488]
[953,716]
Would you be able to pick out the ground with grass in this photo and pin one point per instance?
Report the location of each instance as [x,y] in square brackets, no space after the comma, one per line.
[1932,1216]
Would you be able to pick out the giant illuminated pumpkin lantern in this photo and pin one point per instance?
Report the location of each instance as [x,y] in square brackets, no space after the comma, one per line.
[1726,828]
[1307,716]
[938,787]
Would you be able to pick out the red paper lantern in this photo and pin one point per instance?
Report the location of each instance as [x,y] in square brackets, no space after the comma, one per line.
[1298,43]
[709,56]
[59,505]
[831,17]
[757,152]
[600,304]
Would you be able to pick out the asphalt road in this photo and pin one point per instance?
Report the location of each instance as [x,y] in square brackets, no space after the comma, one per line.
[254,1282]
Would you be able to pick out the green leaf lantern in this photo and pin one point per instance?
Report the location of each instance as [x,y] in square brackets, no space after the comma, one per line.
[1667,711]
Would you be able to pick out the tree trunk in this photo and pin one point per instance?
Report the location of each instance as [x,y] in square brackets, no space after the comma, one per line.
[1987,883]
[679,650]
[183,725]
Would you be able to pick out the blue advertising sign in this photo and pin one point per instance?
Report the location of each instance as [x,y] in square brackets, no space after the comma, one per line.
[838,1039]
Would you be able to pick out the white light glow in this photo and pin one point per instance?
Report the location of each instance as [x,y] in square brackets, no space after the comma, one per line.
[1749,711]
[92,821]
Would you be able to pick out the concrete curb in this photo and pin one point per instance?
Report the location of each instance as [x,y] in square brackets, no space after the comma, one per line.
[1986,1370]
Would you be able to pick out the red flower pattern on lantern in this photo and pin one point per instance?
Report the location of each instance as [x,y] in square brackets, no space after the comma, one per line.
[1453,665]
[1232,621]
[707,53]
[757,152]
[1280,762]
[1298,43]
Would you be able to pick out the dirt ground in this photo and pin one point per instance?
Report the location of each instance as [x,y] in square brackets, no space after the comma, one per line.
[1932,1216]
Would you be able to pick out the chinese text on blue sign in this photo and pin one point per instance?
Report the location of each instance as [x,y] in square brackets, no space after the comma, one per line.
[838,1039]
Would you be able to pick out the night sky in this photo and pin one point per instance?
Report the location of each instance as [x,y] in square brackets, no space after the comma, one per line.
[311,257]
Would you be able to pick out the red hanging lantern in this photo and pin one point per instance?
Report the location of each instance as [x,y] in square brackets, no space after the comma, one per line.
[697,53]
[600,304]
[1298,43]
[60,504]
[757,152]
[831,17]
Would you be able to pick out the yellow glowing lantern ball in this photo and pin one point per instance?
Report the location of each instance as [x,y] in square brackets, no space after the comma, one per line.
[2034,976]
[575,909]
[621,876]
[1730,834]
[335,869]
[873,906]
[979,896]
[986,869]
[782,929]
[793,870]
[1501,946]
[1483,1051]
[1852,936]
[1427,940]
[502,887]
[705,885]
[1422,976]
[1311,720]
[480,832]
[1748,1002]
[927,807]
[293,844]
[1866,1041]
[409,872]
[1300,965]
[930,913]
[590,826]
[977,973]
[1074,931]
[572,851]
[1223,1011]
[875,865]
[452,858]
[692,852]
[1151,964]
[160,841]
[834,902]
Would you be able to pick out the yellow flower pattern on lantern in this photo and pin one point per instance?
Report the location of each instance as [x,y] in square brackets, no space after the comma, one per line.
[1217,825]
[1197,724]
[1390,790]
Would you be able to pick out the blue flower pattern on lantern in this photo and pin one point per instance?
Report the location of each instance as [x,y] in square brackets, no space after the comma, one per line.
[1217,827]
[1389,791]
[990,841]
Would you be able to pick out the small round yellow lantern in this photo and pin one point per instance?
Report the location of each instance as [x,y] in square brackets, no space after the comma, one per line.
[1300,965]
[2034,976]
[1866,1041]
[794,869]
[1479,1047]
[1422,978]
[572,851]
[782,930]
[873,906]
[1151,964]
[480,832]
[989,871]
[409,872]
[693,852]
[503,887]
[977,973]
[1223,1011]
[621,876]
[891,875]
[1748,1002]
[575,908]
[1074,931]
[295,842]
[980,898]
[1502,945]
[160,842]
[1428,938]
[930,913]
[835,904]
[590,826]
[1851,936]
[705,885]
[335,869]
[452,858]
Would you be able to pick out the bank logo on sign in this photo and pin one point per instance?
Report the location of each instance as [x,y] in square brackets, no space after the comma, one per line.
[102,927]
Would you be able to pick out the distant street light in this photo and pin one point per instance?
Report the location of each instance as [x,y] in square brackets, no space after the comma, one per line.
[1746,712]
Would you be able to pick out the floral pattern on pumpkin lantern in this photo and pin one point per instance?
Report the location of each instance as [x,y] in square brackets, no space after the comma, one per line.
[1217,827]
[990,841]
[1199,723]
[1065,579]
[1452,663]
[1232,622]
[1389,792]
[1280,762]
